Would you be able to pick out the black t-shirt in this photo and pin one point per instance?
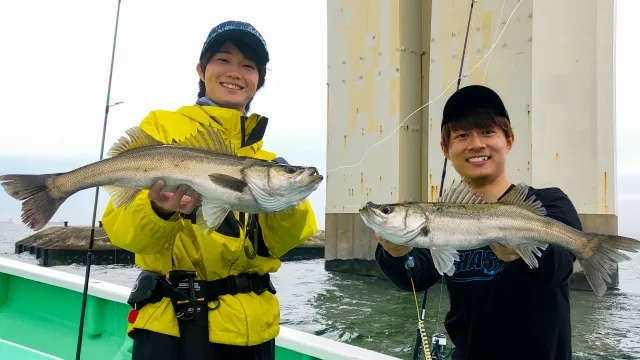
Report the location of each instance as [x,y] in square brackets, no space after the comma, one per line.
[502,310]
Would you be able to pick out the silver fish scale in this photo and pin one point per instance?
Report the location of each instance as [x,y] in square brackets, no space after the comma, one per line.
[465,226]
[140,168]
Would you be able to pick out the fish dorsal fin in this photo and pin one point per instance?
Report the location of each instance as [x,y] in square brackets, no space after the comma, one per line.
[518,196]
[208,138]
[461,194]
[138,138]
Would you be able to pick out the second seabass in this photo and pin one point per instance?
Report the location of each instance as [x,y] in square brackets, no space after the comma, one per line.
[462,220]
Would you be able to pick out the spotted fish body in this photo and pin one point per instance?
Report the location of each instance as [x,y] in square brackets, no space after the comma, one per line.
[462,220]
[224,181]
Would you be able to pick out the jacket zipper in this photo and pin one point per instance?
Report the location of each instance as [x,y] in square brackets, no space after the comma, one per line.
[243,121]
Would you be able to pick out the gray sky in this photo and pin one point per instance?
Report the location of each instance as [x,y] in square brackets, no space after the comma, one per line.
[54,72]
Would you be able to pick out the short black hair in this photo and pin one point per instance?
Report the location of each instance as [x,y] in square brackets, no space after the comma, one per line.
[247,50]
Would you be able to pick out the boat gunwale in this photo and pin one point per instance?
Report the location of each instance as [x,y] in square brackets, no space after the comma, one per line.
[295,340]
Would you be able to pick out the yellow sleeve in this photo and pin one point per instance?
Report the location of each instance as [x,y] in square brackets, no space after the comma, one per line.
[137,228]
[284,230]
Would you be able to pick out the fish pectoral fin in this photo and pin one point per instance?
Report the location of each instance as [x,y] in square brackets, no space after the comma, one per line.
[210,216]
[202,223]
[528,251]
[121,196]
[228,182]
[443,259]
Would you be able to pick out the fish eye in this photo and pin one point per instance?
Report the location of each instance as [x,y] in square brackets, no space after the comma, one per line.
[386,210]
[290,169]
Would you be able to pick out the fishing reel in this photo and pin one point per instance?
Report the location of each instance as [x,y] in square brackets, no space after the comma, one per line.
[439,347]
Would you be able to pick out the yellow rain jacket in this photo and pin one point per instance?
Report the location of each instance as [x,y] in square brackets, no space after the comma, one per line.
[161,246]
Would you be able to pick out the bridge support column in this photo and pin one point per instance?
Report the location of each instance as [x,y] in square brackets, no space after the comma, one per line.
[375,79]
[553,65]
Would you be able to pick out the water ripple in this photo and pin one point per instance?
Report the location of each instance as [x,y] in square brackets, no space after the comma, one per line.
[373,314]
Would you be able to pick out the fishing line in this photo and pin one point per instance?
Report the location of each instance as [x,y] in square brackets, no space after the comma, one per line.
[421,333]
[486,68]
[444,167]
[421,327]
[436,98]
[95,202]
[444,172]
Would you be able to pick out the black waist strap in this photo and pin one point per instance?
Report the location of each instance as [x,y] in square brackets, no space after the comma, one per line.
[231,285]
[151,287]
[190,299]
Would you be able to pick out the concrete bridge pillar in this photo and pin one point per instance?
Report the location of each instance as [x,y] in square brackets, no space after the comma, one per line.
[553,64]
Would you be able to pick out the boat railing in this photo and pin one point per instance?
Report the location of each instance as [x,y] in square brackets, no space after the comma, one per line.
[314,346]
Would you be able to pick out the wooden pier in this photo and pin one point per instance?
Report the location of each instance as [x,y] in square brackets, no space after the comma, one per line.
[66,245]
[313,248]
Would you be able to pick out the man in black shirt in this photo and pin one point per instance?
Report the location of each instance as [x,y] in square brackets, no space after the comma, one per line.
[499,307]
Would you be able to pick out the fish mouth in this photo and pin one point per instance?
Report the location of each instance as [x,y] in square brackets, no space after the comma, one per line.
[370,214]
[231,86]
[374,218]
[366,208]
[311,173]
[376,209]
[478,159]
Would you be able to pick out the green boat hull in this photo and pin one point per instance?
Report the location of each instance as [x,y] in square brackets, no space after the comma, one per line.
[40,312]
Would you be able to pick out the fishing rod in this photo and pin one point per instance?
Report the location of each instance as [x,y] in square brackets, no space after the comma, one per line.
[95,203]
[438,341]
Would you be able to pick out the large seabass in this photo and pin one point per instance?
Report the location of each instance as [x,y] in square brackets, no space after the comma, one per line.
[225,182]
[462,220]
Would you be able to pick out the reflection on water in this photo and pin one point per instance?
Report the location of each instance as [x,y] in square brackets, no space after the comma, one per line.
[373,314]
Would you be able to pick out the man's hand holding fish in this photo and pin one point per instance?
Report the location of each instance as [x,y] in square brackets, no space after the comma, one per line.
[166,203]
[505,253]
[391,248]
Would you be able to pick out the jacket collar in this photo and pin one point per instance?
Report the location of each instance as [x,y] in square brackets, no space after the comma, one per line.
[235,123]
[206,101]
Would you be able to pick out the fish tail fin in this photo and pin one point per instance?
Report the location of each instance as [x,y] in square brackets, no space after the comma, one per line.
[603,256]
[38,206]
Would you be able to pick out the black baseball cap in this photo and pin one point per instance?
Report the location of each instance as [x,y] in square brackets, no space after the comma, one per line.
[469,98]
[230,30]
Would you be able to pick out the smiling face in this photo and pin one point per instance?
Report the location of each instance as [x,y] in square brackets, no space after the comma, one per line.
[230,78]
[478,147]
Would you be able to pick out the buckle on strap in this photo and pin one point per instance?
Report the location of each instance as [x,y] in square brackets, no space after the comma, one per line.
[245,283]
[239,284]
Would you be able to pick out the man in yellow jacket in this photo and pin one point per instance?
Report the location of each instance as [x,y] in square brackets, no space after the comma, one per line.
[242,320]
